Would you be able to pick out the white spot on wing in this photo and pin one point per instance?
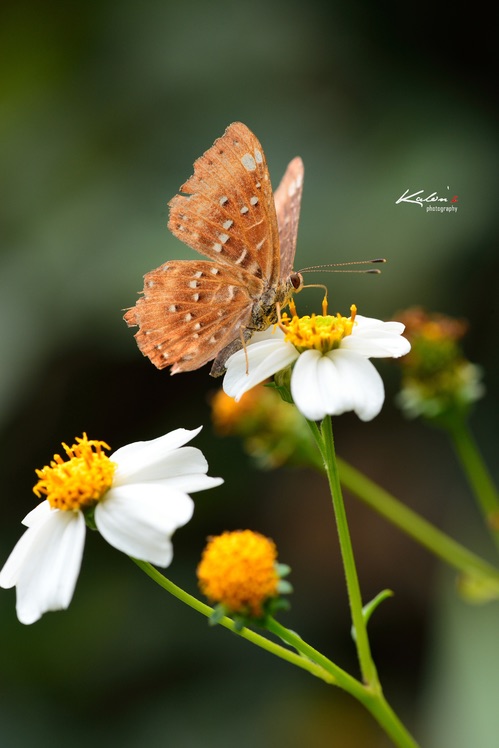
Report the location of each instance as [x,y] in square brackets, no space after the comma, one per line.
[224,238]
[248,162]
[172,308]
[215,271]
[254,200]
[188,317]
[224,199]
[241,258]
[258,156]
[217,247]
[227,224]
[193,284]
[244,210]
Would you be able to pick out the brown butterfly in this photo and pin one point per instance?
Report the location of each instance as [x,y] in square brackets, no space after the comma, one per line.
[193,311]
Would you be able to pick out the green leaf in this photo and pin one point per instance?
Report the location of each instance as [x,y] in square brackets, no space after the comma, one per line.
[369,608]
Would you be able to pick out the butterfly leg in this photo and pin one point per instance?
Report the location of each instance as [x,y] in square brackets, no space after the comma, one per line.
[245,348]
[218,367]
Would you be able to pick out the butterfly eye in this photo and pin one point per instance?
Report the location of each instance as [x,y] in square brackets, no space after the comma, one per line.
[296,281]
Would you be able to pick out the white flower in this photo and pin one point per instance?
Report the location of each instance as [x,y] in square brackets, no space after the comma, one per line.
[331,373]
[139,497]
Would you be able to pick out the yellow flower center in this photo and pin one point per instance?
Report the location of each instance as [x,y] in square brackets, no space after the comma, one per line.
[238,570]
[322,332]
[80,481]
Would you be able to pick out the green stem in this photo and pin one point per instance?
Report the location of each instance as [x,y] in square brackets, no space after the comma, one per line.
[308,659]
[440,544]
[476,472]
[326,445]
[372,699]
[245,633]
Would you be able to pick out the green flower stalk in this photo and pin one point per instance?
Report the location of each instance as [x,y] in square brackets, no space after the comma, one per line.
[440,385]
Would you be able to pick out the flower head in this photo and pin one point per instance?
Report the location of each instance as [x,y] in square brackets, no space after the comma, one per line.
[238,571]
[437,379]
[136,498]
[330,355]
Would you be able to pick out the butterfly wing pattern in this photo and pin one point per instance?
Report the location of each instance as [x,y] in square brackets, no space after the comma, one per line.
[287,199]
[194,311]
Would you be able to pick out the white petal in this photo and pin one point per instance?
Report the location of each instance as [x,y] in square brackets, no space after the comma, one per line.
[335,383]
[37,514]
[361,384]
[190,483]
[314,385]
[134,458]
[45,563]
[265,358]
[139,520]
[373,323]
[180,462]
[374,338]
[148,460]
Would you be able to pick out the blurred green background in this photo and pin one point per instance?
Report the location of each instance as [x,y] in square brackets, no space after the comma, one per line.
[104,106]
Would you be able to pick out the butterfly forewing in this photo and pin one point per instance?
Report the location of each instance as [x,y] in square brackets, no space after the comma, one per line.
[228,211]
[287,203]
[190,310]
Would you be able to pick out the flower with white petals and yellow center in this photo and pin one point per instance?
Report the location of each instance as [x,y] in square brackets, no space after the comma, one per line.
[330,355]
[136,498]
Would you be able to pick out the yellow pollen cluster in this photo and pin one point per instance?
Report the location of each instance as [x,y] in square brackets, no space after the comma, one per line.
[322,332]
[237,569]
[80,481]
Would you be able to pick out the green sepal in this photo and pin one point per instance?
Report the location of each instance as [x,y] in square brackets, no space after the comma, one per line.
[282,383]
[219,612]
[370,607]
[240,622]
[282,570]
[275,604]
[284,587]
[89,518]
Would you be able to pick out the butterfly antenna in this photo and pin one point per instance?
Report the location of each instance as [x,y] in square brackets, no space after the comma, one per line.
[337,267]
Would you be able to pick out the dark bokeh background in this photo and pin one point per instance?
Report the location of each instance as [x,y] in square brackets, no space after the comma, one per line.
[104,108]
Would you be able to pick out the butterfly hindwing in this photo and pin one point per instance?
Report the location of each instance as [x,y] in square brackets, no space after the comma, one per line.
[190,311]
